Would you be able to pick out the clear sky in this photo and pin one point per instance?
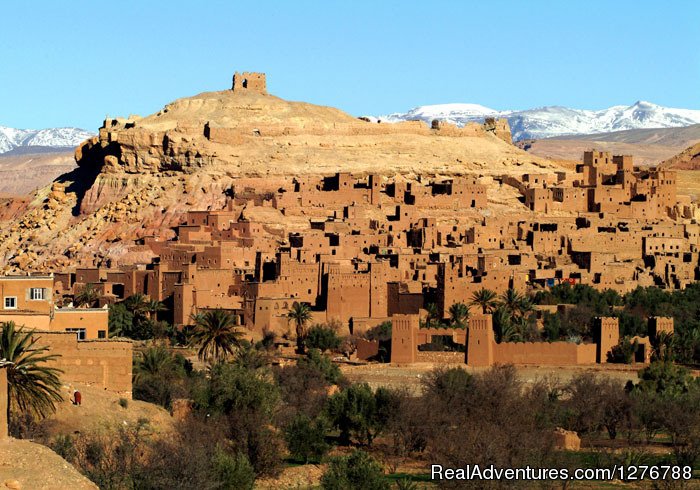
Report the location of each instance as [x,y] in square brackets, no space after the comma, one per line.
[71,63]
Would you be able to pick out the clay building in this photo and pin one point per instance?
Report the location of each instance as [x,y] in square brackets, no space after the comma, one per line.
[362,248]
[29,301]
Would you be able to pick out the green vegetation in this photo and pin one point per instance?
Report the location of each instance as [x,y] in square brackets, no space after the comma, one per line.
[300,314]
[359,470]
[33,387]
[632,310]
[216,334]
[322,337]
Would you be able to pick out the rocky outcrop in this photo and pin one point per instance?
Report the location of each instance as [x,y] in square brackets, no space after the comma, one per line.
[688,159]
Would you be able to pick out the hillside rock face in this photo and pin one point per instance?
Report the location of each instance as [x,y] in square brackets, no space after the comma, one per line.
[138,176]
[688,159]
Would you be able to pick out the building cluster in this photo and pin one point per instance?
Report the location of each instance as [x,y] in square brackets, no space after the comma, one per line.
[374,247]
[365,248]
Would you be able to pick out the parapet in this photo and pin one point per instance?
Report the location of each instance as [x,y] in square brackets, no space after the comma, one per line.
[249,82]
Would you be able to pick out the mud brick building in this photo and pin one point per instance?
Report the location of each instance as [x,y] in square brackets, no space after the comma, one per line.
[361,249]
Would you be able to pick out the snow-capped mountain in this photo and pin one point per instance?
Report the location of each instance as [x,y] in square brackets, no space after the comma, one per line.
[11,138]
[552,121]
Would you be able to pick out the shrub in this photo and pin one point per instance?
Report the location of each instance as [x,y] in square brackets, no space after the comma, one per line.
[303,391]
[359,470]
[623,352]
[124,403]
[316,361]
[234,472]
[306,439]
[322,337]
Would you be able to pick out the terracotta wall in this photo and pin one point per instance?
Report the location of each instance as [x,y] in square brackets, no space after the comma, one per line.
[104,363]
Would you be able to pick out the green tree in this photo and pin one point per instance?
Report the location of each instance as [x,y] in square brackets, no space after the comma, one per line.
[359,412]
[433,315]
[484,299]
[306,439]
[358,470]
[87,297]
[234,472]
[666,379]
[121,320]
[459,314]
[300,314]
[154,361]
[33,387]
[153,307]
[216,335]
[322,337]
[315,361]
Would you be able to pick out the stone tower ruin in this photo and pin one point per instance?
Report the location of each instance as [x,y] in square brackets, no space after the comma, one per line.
[249,82]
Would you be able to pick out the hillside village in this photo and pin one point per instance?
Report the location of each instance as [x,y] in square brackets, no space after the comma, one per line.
[361,248]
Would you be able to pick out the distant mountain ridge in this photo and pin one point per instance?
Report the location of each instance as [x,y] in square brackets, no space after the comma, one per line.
[555,121]
[12,139]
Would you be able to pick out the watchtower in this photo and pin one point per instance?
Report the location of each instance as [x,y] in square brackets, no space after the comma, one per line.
[249,82]
[480,341]
[403,338]
[608,336]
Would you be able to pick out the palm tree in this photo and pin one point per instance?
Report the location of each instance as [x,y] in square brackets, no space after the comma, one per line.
[153,307]
[216,334]
[300,314]
[512,301]
[88,296]
[459,313]
[153,361]
[485,299]
[137,304]
[33,387]
[433,314]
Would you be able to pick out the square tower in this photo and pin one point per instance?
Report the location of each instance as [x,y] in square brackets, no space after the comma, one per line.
[249,82]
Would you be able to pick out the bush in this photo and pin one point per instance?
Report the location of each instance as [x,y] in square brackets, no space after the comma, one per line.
[623,352]
[359,470]
[322,337]
[124,403]
[306,439]
[360,413]
[303,390]
[316,361]
[233,472]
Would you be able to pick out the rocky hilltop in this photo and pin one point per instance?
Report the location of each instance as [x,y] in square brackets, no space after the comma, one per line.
[138,177]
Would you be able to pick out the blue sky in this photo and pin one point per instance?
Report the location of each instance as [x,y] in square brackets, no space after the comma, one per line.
[71,63]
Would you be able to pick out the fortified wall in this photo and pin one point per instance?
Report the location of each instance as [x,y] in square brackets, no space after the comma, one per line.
[482,350]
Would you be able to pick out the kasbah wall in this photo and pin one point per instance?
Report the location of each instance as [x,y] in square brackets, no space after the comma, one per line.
[482,350]
[103,363]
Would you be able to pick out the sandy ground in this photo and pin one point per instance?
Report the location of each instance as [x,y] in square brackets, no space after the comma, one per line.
[25,465]
[100,409]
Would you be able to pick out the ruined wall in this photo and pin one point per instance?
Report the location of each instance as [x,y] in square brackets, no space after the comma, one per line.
[249,81]
[104,363]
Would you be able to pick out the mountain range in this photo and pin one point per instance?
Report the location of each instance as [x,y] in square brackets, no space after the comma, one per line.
[17,140]
[555,121]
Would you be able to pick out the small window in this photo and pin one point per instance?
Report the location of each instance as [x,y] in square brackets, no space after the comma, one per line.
[80,332]
[102,334]
[10,302]
[37,294]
